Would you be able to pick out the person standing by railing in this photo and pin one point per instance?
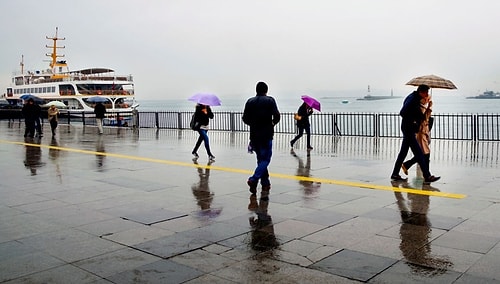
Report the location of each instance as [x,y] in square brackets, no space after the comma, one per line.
[410,124]
[261,114]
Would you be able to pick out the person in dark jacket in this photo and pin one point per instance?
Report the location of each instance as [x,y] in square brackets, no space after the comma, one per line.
[261,114]
[38,122]
[202,116]
[99,111]
[412,118]
[29,112]
[303,124]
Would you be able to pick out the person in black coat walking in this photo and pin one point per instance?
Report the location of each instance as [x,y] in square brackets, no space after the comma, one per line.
[99,111]
[261,114]
[412,118]
[304,125]
[29,112]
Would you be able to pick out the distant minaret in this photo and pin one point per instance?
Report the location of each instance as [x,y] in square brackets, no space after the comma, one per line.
[368,95]
[392,93]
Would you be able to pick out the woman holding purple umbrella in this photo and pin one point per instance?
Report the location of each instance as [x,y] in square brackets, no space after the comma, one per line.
[202,115]
[303,124]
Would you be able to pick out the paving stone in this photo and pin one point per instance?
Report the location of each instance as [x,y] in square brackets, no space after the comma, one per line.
[354,265]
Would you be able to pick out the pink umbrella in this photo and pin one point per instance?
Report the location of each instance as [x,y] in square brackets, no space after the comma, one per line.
[205,99]
[312,102]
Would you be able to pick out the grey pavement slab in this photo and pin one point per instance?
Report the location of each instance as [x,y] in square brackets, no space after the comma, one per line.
[131,206]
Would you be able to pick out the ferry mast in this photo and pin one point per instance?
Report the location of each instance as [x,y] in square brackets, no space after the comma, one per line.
[57,67]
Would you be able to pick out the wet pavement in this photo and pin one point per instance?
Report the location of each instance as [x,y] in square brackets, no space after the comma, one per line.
[132,207]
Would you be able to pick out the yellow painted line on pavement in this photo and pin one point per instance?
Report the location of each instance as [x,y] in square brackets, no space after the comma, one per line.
[249,172]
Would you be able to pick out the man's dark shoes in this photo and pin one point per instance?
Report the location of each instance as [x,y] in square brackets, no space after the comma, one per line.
[398,178]
[432,179]
[253,186]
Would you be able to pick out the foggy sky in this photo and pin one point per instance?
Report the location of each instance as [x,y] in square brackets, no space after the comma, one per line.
[175,48]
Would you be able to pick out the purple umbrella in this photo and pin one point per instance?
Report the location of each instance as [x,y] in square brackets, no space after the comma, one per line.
[312,102]
[205,99]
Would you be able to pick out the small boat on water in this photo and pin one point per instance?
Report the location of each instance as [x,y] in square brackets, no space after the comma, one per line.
[75,88]
[486,95]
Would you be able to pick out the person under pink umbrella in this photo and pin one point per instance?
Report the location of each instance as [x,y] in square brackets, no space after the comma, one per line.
[302,117]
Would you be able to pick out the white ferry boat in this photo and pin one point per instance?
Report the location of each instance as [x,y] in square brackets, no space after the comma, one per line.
[75,88]
[486,95]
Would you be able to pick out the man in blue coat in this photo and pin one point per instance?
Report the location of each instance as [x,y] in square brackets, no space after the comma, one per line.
[261,114]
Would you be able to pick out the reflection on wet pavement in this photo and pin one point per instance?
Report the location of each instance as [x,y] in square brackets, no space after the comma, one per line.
[202,193]
[304,170]
[150,215]
[33,158]
[262,235]
[99,148]
[54,154]
[415,233]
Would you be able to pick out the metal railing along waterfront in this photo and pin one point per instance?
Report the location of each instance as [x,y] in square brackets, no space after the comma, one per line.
[473,127]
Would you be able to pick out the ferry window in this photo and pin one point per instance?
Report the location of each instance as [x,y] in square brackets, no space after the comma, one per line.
[39,90]
[32,90]
[66,90]
[44,90]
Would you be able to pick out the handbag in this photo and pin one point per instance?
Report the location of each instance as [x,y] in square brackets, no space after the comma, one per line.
[296,116]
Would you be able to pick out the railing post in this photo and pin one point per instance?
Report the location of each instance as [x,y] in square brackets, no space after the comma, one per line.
[232,123]
[157,120]
[83,117]
[475,131]
[179,120]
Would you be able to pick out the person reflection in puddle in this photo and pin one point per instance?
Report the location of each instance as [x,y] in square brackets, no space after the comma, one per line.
[304,170]
[202,193]
[99,148]
[415,232]
[33,159]
[262,235]
[54,155]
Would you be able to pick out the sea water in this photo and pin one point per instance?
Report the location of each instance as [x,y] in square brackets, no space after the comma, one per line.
[442,104]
